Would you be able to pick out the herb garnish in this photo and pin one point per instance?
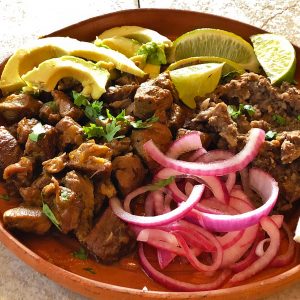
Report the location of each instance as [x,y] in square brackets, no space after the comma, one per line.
[4,197]
[235,113]
[298,117]
[65,193]
[140,124]
[270,135]
[279,119]
[52,105]
[90,270]
[160,183]
[111,130]
[80,254]
[48,212]
[93,131]
[91,110]
[38,131]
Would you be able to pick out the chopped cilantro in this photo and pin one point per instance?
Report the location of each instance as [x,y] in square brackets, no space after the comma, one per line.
[48,212]
[80,254]
[249,109]
[140,124]
[235,112]
[38,131]
[119,117]
[4,197]
[90,270]
[298,117]
[93,130]
[93,111]
[229,76]
[155,53]
[65,193]
[270,135]
[79,99]
[110,131]
[161,183]
[279,119]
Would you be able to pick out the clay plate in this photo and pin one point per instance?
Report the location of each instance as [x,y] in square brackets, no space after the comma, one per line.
[51,254]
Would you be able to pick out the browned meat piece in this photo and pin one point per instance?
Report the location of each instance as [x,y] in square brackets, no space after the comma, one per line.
[56,164]
[177,116]
[15,107]
[28,219]
[10,150]
[66,108]
[120,92]
[122,104]
[260,124]
[32,195]
[84,190]
[164,81]
[149,99]
[65,205]
[20,173]
[129,173]
[220,121]
[12,129]
[127,78]
[110,239]
[46,145]
[91,158]
[71,133]
[290,148]
[119,146]
[49,113]
[24,129]
[161,136]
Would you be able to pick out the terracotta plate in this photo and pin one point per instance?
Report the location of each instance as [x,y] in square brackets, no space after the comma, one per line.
[51,254]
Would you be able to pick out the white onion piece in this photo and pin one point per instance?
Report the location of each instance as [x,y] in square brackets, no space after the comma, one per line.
[219,168]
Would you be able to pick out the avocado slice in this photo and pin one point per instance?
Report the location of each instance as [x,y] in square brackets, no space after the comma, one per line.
[126,46]
[141,34]
[48,73]
[25,59]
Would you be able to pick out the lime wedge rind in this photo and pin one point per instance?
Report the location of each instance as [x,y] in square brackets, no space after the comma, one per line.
[276,55]
[215,42]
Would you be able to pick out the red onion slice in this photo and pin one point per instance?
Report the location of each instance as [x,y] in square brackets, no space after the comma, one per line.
[166,218]
[265,186]
[262,262]
[236,163]
[177,285]
[164,258]
[187,143]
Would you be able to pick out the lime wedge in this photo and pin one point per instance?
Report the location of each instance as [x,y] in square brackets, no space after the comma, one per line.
[141,34]
[215,42]
[229,66]
[276,55]
[197,80]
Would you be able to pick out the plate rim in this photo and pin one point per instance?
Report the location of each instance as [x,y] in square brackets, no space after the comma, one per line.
[30,258]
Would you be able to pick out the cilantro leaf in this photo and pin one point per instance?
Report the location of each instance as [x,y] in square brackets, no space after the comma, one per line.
[90,270]
[48,212]
[155,53]
[235,112]
[111,129]
[270,135]
[79,99]
[228,77]
[38,131]
[298,117]
[80,254]
[93,111]
[65,193]
[119,117]
[161,183]
[249,109]
[140,124]
[279,119]
[93,131]
[4,197]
